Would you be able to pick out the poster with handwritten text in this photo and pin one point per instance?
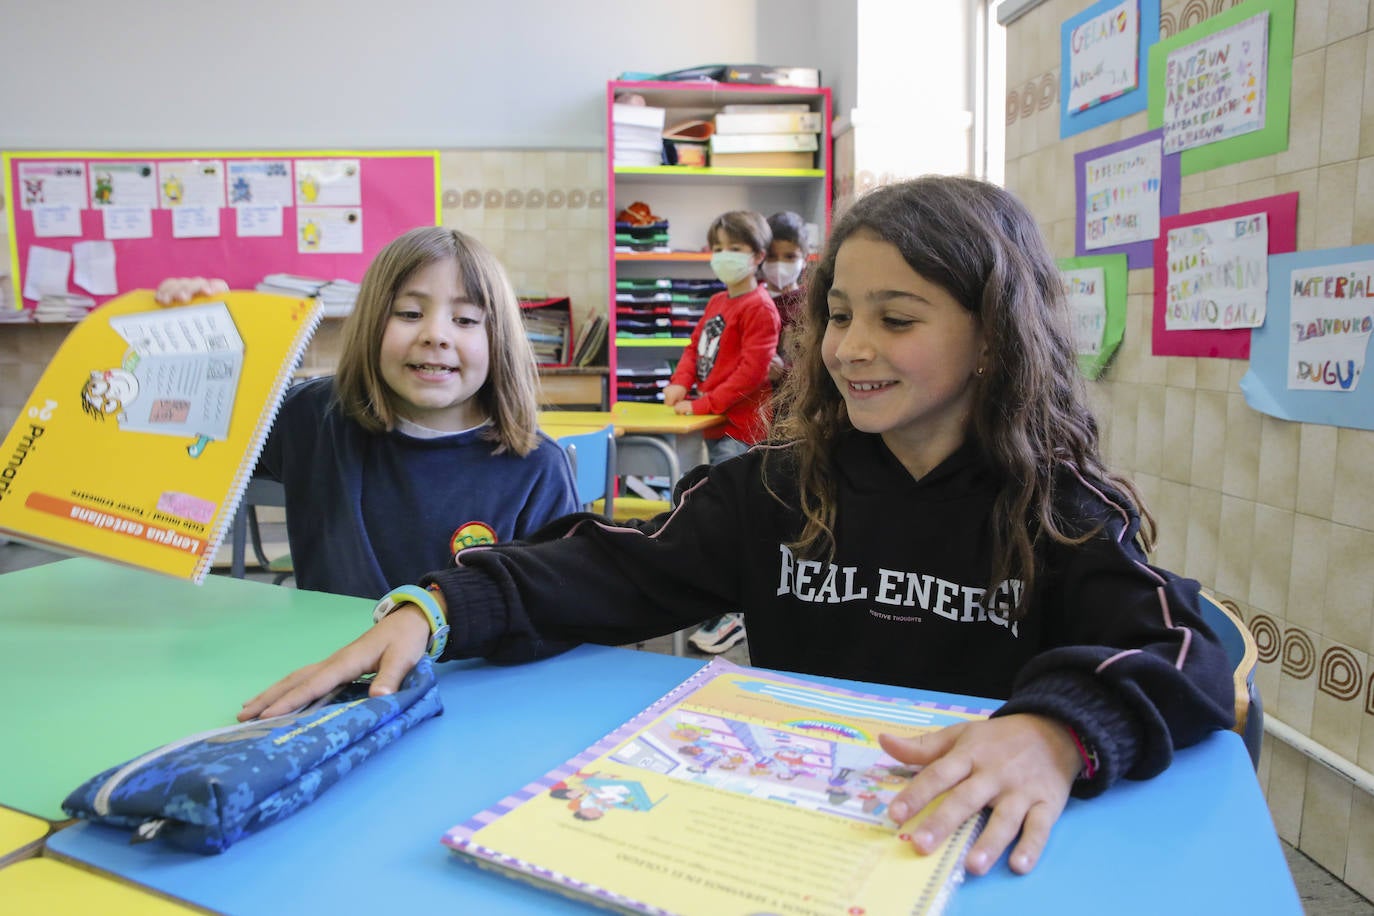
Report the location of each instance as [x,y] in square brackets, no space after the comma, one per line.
[1218,277]
[1103,56]
[1086,292]
[1331,316]
[1121,194]
[1215,88]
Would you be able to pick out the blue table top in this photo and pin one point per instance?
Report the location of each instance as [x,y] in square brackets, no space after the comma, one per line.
[1197,837]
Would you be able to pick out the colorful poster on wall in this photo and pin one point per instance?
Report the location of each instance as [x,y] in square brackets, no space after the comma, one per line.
[1214,88]
[1095,288]
[1103,56]
[1202,102]
[219,214]
[1307,361]
[1123,190]
[1281,223]
[1074,118]
[1218,275]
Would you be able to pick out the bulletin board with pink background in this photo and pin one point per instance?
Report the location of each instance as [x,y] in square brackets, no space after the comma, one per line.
[101,223]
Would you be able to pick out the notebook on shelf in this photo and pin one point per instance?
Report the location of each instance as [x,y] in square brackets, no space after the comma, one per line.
[740,791]
[145,427]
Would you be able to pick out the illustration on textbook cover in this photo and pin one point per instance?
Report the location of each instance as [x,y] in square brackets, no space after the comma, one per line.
[179,376]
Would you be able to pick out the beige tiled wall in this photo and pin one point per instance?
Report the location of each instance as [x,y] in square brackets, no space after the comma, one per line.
[543,214]
[1276,517]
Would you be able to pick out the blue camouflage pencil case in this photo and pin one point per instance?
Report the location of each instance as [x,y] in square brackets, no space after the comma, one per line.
[207,791]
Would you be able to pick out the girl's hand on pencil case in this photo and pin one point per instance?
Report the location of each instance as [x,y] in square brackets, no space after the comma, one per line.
[1022,766]
[181,290]
[390,648]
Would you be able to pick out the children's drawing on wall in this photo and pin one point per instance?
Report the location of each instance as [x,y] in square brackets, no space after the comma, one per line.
[1121,196]
[329,230]
[1095,289]
[1306,361]
[179,376]
[49,183]
[194,183]
[1103,56]
[1332,314]
[260,181]
[1218,278]
[123,184]
[329,182]
[1215,88]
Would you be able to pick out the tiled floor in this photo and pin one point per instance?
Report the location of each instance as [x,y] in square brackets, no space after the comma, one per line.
[1322,893]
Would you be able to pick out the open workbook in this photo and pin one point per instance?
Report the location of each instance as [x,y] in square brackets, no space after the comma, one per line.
[141,435]
[741,791]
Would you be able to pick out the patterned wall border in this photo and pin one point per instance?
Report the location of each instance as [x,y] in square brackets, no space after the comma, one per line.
[527,199]
[1194,11]
[1036,94]
[1338,671]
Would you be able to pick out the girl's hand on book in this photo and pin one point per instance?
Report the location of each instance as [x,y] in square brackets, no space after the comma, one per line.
[390,648]
[181,290]
[1022,766]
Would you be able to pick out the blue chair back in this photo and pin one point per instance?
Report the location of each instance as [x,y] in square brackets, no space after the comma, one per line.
[592,456]
[1243,655]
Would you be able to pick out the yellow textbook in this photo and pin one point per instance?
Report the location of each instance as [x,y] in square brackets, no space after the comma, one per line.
[740,792]
[141,435]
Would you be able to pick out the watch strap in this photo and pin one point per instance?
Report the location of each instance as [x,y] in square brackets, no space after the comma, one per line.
[421,598]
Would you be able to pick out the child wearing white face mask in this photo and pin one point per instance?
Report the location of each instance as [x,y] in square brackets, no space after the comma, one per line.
[724,368]
[783,269]
[728,361]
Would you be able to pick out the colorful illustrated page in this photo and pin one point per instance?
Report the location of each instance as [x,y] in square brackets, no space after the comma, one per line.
[742,792]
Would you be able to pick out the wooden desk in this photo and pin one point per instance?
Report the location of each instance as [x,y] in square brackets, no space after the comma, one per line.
[581,386]
[112,662]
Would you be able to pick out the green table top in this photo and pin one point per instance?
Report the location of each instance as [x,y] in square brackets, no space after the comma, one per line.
[105,663]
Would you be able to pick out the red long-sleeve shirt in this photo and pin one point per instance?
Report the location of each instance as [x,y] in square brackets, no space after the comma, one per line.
[727,360]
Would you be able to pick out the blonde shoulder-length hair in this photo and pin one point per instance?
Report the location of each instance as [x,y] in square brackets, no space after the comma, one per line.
[509,395]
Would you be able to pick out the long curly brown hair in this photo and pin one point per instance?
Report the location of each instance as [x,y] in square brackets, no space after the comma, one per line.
[1030,413]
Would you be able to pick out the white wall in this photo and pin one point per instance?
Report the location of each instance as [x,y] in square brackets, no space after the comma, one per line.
[241,74]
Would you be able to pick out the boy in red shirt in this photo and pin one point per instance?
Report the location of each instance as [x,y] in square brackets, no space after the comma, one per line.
[724,368]
[727,361]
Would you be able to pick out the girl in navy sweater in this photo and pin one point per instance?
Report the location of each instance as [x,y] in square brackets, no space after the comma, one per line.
[426,439]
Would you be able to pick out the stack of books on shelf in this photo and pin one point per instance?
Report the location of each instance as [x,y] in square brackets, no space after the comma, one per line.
[643,383]
[766,136]
[661,306]
[591,342]
[637,134]
[549,331]
[63,307]
[642,237]
[335,296]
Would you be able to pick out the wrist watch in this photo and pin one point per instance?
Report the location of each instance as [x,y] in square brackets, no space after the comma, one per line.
[421,598]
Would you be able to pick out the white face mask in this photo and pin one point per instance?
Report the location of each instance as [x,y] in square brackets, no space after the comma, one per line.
[781,274]
[730,267]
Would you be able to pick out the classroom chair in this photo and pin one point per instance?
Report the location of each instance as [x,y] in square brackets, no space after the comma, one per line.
[643,456]
[1243,655]
[593,459]
[246,531]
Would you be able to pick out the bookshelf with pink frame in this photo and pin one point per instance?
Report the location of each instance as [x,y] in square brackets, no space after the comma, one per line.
[689,198]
